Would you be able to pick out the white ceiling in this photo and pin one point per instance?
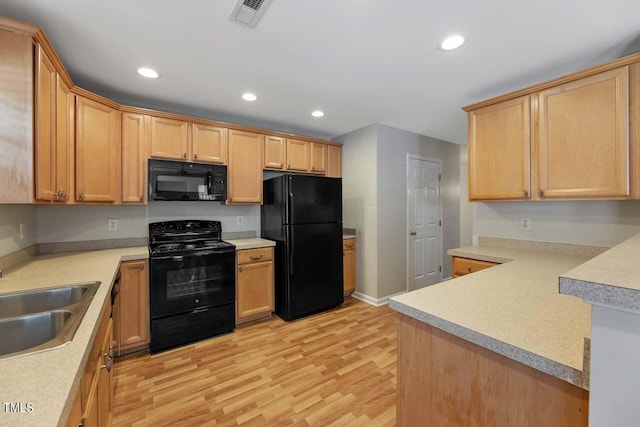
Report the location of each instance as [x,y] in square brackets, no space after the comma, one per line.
[361,61]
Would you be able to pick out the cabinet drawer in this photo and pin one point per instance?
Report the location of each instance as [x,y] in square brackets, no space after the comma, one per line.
[462,266]
[348,244]
[255,255]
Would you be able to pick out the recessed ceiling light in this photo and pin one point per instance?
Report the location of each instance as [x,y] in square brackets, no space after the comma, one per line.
[317,113]
[249,96]
[148,73]
[452,42]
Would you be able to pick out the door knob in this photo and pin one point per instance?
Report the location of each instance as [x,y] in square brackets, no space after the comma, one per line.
[413,232]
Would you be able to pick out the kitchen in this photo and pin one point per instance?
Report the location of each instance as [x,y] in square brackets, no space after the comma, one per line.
[373,170]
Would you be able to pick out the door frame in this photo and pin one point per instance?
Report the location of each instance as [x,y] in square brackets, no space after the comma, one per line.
[408,228]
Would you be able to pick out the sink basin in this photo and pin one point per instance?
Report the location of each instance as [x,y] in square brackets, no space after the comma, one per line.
[42,319]
[22,303]
[32,330]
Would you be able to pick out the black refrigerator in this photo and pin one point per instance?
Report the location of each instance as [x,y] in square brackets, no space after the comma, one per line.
[303,215]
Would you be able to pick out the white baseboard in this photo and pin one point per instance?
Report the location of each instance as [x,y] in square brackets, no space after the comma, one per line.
[374,301]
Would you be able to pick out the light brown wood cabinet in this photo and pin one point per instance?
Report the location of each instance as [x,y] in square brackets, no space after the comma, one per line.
[334,161]
[463,266]
[275,152]
[97,152]
[499,151]
[244,176]
[318,158]
[210,143]
[571,138]
[17,107]
[96,387]
[349,259]
[135,135]
[131,311]
[254,284]
[583,137]
[169,139]
[298,156]
[55,118]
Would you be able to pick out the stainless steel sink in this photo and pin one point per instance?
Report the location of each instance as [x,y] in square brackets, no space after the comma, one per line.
[42,319]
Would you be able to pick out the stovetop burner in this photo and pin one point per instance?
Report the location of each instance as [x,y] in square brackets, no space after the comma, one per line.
[173,237]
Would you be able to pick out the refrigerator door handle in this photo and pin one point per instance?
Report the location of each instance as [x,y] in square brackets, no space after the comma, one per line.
[291,252]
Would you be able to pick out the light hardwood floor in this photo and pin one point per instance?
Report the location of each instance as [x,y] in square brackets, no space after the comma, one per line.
[335,368]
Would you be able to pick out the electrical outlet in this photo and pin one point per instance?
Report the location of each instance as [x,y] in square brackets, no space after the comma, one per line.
[240,220]
[525,223]
[23,229]
[112,225]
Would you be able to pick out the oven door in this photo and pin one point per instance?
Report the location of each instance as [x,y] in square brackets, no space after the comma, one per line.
[181,284]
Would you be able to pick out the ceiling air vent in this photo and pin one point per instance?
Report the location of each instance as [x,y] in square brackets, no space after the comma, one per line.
[249,12]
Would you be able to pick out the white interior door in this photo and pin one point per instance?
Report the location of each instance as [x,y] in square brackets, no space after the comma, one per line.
[424,208]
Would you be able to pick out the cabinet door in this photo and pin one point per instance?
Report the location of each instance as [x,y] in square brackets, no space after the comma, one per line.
[17,86]
[274,152]
[583,137]
[45,127]
[499,151]
[131,322]
[210,144]
[245,167]
[65,135]
[298,156]
[349,252]
[255,289]
[135,133]
[169,138]
[318,158]
[334,161]
[97,151]
[104,393]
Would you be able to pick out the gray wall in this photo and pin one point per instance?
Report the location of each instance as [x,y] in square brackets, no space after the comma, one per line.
[598,222]
[393,147]
[374,163]
[360,202]
[11,216]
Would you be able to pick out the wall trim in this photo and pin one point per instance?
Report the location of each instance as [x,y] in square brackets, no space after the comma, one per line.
[376,302]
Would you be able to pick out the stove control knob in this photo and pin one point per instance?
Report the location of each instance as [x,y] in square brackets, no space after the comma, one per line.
[197,301]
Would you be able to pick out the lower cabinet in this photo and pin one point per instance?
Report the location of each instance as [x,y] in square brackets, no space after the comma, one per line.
[131,309]
[254,284]
[463,266]
[349,255]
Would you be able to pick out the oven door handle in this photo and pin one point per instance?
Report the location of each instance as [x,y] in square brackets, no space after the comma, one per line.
[191,255]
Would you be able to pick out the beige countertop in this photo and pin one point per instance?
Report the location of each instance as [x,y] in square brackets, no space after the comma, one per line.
[513,309]
[348,236]
[254,243]
[612,278]
[50,379]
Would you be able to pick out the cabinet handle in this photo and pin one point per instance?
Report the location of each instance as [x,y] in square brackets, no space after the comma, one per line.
[469,268]
[526,193]
[349,246]
[184,156]
[108,365]
[253,258]
[142,266]
[413,232]
[313,168]
[81,196]
[110,353]
[140,198]
[240,269]
[541,193]
[289,166]
[64,194]
[59,194]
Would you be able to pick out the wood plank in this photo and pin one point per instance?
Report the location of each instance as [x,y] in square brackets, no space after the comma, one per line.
[333,368]
[450,381]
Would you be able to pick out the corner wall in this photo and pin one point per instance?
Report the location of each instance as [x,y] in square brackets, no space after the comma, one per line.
[11,216]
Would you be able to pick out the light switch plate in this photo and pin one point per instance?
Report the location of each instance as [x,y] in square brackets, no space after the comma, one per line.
[240,220]
[525,223]
[112,225]
[23,228]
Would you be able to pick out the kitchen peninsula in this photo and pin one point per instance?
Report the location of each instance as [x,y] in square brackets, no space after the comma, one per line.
[497,347]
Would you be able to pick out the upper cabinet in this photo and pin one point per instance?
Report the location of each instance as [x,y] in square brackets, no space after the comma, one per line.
[65,141]
[298,157]
[499,150]
[275,152]
[135,135]
[169,138]
[334,161]
[318,158]
[16,108]
[583,137]
[97,152]
[210,144]
[244,178]
[571,138]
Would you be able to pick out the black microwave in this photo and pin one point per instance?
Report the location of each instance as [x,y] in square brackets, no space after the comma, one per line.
[170,180]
